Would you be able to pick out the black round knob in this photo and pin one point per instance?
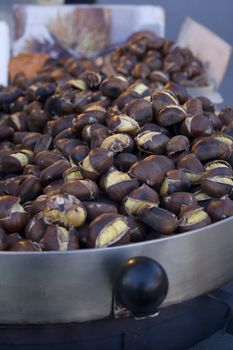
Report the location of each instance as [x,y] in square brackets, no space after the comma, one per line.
[141,286]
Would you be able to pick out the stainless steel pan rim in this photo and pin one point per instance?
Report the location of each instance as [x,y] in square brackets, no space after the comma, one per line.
[77,286]
[125,246]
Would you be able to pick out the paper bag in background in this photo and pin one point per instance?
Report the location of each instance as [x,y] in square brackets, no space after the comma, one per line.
[80,30]
[212,50]
[4,52]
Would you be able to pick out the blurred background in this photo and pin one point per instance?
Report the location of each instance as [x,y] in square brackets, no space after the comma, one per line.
[216,15]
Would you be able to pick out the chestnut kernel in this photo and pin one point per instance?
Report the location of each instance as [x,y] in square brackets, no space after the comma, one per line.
[108,230]
[118,184]
[175,181]
[118,143]
[122,123]
[193,217]
[64,210]
[141,197]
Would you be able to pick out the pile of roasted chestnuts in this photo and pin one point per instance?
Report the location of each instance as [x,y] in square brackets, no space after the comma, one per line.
[91,159]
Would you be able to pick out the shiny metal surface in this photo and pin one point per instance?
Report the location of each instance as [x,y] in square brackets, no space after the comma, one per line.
[77,285]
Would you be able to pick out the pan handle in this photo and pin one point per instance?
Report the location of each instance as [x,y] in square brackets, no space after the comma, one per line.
[141,285]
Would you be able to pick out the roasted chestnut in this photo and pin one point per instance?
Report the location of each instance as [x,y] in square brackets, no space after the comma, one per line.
[56,237]
[163,162]
[53,172]
[114,86]
[141,197]
[176,200]
[152,142]
[95,209]
[38,204]
[170,115]
[178,90]
[216,185]
[192,217]
[196,126]
[84,119]
[226,114]
[162,99]
[64,210]
[6,132]
[16,161]
[220,208]
[108,230]
[118,143]
[177,145]
[66,146]
[35,228]
[140,110]
[160,220]
[137,230]
[46,158]
[73,173]
[24,245]
[175,181]
[228,129]
[209,148]
[123,161]
[13,217]
[3,239]
[96,162]
[122,123]
[148,172]
[93,79]
[192,167]
[193,106]
[81,189]
[79,153]
[118,184]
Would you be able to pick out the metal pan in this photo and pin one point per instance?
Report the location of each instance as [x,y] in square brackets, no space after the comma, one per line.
[77,286]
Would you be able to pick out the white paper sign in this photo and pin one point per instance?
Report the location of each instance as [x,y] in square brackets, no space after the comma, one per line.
[213,51]
[4,52]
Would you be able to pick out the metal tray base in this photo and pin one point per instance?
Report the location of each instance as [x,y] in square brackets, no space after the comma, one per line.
[176,328]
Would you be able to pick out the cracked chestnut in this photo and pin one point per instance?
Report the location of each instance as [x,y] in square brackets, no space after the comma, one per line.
[98,161]
[13,217]
[64,209]
[141,197]
[108,230]
[118,184]
[58,238]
